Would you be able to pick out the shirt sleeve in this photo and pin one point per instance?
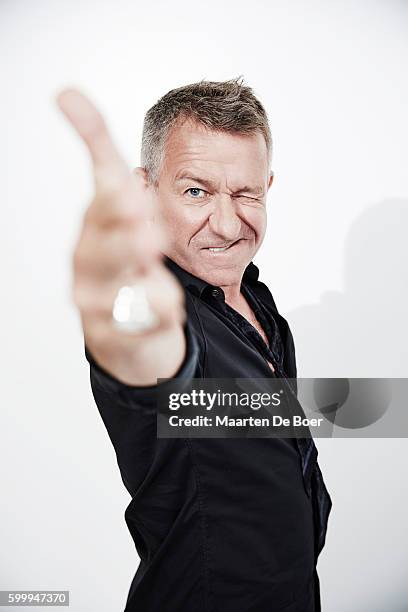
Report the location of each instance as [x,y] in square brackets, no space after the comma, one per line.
[129,412]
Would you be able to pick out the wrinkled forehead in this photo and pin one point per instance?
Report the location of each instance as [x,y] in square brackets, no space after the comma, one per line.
[191,144]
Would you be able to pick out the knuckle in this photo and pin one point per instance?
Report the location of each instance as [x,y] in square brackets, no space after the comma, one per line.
[81,297]
[77,261]
[89,215]
[82,261]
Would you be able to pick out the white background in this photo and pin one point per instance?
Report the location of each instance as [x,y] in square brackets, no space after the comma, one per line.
[332,76]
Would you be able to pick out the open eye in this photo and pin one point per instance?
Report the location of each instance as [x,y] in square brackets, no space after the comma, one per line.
[195,192]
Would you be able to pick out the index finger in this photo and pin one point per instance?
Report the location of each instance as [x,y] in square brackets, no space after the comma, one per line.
[109,167]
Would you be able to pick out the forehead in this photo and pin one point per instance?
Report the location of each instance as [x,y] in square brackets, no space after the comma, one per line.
[191,144]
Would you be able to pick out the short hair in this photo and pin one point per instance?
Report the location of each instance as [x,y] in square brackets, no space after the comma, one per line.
[224,106]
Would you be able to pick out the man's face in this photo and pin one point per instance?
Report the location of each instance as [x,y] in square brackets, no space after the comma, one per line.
[212,200]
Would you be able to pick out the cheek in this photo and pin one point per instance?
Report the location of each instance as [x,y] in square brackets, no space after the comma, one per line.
[180,221]
[255,218]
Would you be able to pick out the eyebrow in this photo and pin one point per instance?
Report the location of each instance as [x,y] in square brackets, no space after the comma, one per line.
[186,176]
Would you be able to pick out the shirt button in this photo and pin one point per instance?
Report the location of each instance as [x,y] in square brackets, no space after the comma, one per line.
[215,293]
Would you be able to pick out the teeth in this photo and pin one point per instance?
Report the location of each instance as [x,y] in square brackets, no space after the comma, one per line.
[216,249]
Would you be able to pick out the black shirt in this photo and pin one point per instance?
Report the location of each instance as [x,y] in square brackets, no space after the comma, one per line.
[220,525]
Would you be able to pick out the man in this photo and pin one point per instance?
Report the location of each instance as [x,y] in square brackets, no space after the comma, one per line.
[219,524]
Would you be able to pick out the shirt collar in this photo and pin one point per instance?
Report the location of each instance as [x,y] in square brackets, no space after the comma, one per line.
[198,285]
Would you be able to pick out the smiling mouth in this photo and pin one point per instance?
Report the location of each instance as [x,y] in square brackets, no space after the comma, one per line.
[220,249]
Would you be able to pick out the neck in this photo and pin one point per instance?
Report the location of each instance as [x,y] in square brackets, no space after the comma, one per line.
[232,293]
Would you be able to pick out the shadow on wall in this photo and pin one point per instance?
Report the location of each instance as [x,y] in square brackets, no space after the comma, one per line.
[362,331]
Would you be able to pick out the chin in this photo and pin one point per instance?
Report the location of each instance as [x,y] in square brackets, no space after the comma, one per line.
[215,269]
[221,276]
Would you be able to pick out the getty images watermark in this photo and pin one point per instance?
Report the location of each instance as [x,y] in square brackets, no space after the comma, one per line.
[283,407]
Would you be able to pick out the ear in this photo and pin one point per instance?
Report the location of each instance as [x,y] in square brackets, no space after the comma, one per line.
[270,181]
[151,196]
[139,171]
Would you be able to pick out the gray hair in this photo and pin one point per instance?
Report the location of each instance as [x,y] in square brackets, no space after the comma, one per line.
[225,106]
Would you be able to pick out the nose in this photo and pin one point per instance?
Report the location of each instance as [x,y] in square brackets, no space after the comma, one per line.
[224,220]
